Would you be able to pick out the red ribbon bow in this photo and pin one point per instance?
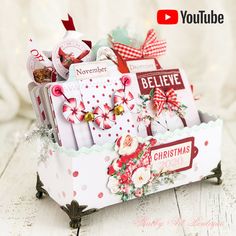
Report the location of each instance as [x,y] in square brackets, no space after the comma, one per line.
[151,48]
[68,59]
[168,98]
[70,26]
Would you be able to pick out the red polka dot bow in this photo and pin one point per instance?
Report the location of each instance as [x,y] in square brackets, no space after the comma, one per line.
[151,48]
[165,100]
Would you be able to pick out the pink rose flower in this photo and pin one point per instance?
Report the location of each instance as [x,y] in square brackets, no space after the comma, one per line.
[153,142]
[138,192]
[125,188]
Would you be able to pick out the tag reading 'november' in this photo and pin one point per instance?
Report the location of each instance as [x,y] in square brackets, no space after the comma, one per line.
[89,70]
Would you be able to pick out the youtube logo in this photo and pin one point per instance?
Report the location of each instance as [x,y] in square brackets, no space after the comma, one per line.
[167,17]
[171,17]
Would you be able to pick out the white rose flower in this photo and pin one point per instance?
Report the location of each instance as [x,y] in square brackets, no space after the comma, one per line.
[141,176]
[150,109]
[113,184]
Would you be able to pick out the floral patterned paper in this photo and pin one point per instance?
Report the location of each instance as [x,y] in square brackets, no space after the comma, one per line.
[132,174]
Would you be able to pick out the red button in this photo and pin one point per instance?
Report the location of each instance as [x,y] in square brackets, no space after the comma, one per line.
[57,90]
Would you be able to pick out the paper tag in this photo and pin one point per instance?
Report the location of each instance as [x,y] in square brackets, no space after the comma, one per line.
[98,94]
[164,79]
[175,156]
[166,101]
[39,56]
[91,70]
[38,71]
[143,65]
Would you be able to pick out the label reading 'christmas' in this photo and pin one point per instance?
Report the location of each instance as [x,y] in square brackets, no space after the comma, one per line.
[175,156]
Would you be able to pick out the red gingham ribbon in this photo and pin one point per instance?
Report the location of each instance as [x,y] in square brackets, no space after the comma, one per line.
[168,98]
[151,48]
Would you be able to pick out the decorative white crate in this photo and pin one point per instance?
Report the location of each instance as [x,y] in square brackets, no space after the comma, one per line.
[77,180]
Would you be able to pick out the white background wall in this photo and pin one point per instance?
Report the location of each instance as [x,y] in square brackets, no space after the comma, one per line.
[206,52]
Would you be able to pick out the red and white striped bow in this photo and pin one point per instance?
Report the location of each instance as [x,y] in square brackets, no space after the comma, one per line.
[151,48]
[124,97]
[104,118]
[162,99]
[73,110]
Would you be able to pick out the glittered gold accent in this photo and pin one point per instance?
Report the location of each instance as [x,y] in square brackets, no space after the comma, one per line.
[118,110]
[89,116]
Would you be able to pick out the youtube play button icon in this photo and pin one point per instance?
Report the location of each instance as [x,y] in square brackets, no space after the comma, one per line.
[167,17]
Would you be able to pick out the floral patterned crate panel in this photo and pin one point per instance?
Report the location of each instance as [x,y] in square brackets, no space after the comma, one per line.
[100,176]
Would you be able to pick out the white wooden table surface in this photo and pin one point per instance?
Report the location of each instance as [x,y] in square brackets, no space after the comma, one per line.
[198,209]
